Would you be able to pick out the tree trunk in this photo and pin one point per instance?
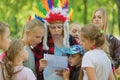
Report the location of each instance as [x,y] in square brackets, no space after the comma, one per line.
[113,21]
[85,11]
[118,5]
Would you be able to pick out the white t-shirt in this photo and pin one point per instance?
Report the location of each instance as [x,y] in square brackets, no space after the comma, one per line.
[97,59]
[24,74]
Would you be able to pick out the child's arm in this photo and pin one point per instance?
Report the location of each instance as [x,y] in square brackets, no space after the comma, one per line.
[91,73]
[111,76]
[43,64]
[66,74]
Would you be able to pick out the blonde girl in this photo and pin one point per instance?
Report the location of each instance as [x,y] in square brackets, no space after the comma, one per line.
[32,35]
[95,63]
[75,31]
[100,18]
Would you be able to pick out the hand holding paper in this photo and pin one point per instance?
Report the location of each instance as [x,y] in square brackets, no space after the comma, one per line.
[43,64]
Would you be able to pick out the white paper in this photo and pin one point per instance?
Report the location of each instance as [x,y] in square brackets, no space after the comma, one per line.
[57,62]
[54,63]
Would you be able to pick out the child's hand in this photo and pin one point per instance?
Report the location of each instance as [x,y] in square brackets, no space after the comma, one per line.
[43,64]
[66,74]
[59,72]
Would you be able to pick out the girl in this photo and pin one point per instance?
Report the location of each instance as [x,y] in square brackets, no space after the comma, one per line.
[95,64]
[13,63]
[4,38]
[5,42]
[100,18]
[75,31]
[57,39]
[76,53]
[32,35]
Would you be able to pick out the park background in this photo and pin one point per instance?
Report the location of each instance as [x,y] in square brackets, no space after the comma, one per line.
[17,12]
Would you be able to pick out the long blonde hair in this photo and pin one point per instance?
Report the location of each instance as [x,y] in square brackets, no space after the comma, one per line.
[15,47]
[30,25]
[104,18]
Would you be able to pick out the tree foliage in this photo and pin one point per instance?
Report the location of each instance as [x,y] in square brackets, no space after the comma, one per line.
[16,13]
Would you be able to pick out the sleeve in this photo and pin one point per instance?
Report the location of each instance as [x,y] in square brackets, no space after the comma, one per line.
[115,43]
[38,54]
[87,61]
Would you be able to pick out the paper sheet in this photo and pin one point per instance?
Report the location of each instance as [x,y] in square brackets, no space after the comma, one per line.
[54,63]
[57,62]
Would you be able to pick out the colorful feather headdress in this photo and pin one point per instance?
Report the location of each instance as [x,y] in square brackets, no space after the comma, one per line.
[53,10]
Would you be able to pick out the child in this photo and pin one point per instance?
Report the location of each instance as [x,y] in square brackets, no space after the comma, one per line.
[56,39]
[4,38]
[13,63]
[75,31]
[76,53]
[4,42]
[95,63]
[100,18]
[32,35]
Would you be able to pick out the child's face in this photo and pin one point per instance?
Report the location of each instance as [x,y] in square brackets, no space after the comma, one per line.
[75,60]
[35,36]
[75,32]
[5,40]
[56,29]
[86,44]
[97,19]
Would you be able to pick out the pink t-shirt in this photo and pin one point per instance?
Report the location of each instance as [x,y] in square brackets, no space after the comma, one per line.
[24,74]
[2,55]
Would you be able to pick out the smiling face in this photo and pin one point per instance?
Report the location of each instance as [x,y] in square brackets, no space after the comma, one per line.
[56,30]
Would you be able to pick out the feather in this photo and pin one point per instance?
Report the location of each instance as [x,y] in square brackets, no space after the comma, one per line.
[55,3]
[50,4]
[69,8]
[70,14]
[39,18]
[30,18]
[40,7]
[45,4]
[63,3]
[59,3]
[66,4]
[39,13]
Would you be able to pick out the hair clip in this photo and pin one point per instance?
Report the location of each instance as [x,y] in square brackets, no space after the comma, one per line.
[101,31]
